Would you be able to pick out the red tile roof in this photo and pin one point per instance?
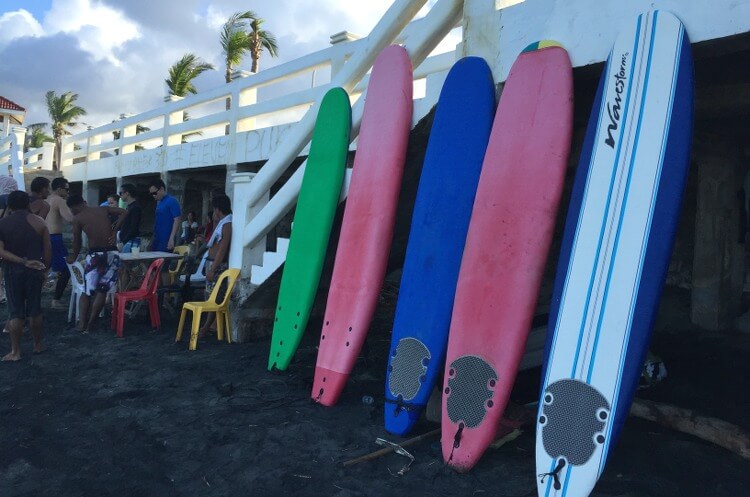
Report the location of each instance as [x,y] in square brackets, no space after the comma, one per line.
[6,104]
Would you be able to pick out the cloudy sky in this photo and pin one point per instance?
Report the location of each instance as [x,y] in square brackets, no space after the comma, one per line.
[115,53]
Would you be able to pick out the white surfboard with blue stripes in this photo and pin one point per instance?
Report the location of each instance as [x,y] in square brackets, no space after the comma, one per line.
[615,252]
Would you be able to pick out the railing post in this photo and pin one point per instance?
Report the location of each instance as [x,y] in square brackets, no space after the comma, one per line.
[341,37]
[67,148]
[16,160]
[170,119]
[92,141]
[126,132]
[48,155]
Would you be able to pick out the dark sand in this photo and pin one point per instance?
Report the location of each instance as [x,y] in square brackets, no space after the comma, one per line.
[140,416]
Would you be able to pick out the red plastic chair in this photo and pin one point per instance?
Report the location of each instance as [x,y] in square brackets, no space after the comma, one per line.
[146,292]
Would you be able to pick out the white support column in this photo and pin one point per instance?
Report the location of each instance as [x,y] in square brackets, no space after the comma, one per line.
[481,28]
[48,156]
[240,256]
[118,188]
[91,193]
[342,37]
[16,160]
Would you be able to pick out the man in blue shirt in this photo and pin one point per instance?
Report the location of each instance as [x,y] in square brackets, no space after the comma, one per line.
[168,217]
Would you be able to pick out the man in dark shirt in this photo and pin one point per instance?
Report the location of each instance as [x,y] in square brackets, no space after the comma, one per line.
[39,192]
[26,252]
[130,229]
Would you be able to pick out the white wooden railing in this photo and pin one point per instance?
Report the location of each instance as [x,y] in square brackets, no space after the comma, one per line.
[278,129]
[259,214]
[97,154]
[11,155]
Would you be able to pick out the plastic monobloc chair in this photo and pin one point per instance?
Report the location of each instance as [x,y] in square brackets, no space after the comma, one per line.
[182,250]
[211,305]
[78,286]
[146,292]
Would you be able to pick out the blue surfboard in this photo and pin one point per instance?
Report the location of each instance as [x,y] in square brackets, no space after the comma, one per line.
[616,247]
[442,209]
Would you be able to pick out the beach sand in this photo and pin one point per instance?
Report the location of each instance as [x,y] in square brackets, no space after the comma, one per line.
[141,416]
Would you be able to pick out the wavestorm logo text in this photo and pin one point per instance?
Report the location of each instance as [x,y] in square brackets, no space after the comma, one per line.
[614,110]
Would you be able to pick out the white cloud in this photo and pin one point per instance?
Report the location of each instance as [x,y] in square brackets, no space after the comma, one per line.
[115,54]
[100,30]
[18,24]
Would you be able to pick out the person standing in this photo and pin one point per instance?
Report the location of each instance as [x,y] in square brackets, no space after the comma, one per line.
[8,184]
[168,217]
[217,259]
[59,212]
[26,252]
[130,229]
[102,261]
[39,192]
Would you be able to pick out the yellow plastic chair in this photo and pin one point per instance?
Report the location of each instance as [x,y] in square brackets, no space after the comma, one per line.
[211,305]
[182,250]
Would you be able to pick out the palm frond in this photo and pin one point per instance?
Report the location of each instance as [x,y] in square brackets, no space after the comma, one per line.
[183,72]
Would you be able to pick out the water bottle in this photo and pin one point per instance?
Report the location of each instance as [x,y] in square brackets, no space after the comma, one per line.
[368,400]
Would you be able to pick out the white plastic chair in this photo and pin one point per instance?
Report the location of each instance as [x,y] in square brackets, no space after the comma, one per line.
[77,289]
[198,276]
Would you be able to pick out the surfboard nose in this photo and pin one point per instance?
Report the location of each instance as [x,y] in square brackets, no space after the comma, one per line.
[327,386]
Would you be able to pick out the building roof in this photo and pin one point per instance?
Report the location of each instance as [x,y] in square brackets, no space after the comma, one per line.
[6,104]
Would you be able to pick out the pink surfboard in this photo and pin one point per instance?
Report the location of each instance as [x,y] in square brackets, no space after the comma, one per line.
[367,226]
[509,236]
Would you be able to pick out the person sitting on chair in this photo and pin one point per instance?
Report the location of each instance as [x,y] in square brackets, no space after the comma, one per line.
[218,250]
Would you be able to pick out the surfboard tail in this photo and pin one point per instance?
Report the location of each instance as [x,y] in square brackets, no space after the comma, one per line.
[401,418]
[327,386]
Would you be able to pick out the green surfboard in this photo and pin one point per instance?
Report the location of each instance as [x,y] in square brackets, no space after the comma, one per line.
[313,219]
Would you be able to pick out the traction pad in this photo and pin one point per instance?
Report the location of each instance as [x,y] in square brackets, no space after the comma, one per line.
[572,420]
[407,369]
[469,390]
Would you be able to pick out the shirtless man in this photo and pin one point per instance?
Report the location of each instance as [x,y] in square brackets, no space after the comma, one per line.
[59,212]
[102,262]
[39,192]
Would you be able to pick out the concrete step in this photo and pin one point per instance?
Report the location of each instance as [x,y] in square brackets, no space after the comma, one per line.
[271,262]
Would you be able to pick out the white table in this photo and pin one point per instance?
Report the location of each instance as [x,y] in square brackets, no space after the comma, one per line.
[143,258]
[131,258]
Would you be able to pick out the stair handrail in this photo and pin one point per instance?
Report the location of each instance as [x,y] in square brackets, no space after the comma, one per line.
[443,17]
[385,31]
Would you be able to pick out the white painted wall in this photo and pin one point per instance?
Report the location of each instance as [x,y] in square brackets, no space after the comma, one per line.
[586,28]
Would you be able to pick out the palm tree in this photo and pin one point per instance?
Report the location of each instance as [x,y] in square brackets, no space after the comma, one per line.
[180,81]
[63,112]
[36,137]
[183,72]
[235,40]
[260,39]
